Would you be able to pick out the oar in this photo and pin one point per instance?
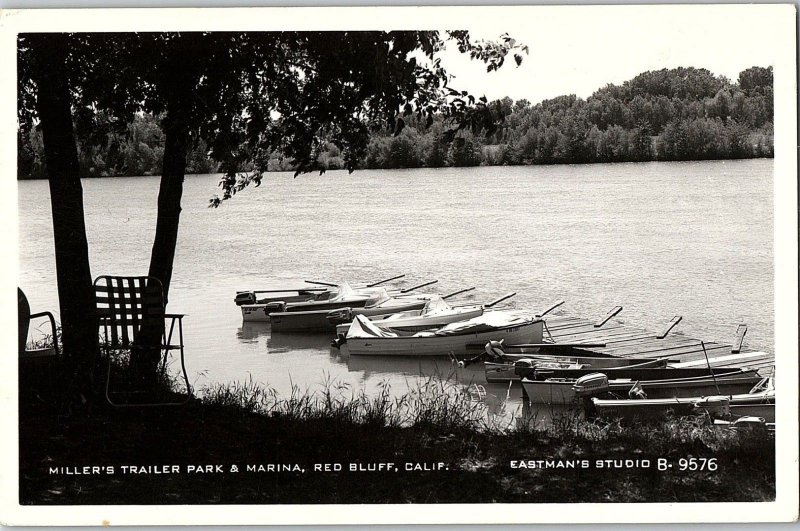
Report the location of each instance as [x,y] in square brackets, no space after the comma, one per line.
[385,281]
[279,290]
[412,288]
[551,308]
[459,292]
[501,299]
[320,283]
[368,285]
[702,344]
[562,345]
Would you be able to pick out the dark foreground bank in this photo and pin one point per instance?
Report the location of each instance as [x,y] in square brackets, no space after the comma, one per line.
[242,444]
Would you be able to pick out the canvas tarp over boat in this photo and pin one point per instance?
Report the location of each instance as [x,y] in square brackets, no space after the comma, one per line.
[484,323]
[361,327]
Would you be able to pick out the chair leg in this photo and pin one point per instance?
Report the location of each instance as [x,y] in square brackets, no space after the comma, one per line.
[108,393]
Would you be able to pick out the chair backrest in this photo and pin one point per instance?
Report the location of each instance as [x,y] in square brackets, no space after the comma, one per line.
[24,316]
[124,303]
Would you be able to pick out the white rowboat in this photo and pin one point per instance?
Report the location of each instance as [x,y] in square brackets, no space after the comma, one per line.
[364,338]
[435,314]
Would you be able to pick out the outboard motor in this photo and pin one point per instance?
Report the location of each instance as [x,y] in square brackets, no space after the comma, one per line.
[715,406]
[275,307]
[340,315]
[591,384]
[524,367]
[494,350]
[245,297]
[340,340]
[751,423]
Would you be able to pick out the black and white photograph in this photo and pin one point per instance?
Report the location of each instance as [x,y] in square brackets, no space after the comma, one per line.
[343,265]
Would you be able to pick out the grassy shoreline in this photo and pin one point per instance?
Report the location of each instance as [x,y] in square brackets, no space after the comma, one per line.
[442,449]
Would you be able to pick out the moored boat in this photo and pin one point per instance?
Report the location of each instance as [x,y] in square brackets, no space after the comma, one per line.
[559,390]
[759,402]
[364,338]
[515,369]
[257,308]
[435,313]
[336,297]
[316,318]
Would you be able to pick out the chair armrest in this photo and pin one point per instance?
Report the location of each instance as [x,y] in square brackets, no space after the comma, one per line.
[52,325]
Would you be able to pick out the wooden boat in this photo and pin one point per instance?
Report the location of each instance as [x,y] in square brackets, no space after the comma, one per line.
[515,369]
[759,402]
[341,296]
[436,313]
[281,295]
[555,390]
[322,291]
[364,338]
[634,373]
[297,318]
[258,308]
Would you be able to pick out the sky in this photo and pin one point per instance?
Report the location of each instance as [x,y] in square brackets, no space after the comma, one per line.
[577,52]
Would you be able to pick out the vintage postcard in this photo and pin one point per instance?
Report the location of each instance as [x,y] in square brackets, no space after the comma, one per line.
[399,265]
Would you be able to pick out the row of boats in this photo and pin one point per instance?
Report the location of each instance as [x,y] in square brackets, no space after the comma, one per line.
[636,387]
[376,320]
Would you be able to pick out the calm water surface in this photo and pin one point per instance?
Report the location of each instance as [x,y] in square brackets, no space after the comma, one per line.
[660,239]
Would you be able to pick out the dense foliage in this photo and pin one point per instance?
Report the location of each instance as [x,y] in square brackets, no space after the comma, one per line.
[677,114]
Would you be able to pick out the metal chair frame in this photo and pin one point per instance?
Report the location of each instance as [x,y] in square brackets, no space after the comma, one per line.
[24,353]
[123,305]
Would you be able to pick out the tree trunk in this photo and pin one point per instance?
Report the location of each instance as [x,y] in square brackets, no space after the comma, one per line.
[178,87]
[176,140]
[75,291]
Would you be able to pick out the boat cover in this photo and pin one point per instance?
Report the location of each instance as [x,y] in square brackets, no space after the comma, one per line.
[361,327]
[484,323]
[342,291]
[376,299]
[435,305]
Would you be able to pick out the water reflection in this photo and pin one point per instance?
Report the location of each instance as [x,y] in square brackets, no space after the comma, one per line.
[411,366]
[250,330]
[544,415]
[285,342]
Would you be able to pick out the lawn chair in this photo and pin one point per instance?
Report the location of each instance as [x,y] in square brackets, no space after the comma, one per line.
[25,318]
[124,305]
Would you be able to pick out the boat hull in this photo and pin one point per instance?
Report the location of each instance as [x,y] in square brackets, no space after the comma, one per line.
[416,324]
[559,391]
[444,345]
[736,406]
[261,312]
[319,320]
[308,321]
[504,372]
[258,313]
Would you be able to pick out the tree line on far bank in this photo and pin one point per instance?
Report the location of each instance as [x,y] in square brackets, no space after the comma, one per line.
[670,114]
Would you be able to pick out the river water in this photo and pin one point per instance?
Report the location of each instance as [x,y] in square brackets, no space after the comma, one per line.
[660,239]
